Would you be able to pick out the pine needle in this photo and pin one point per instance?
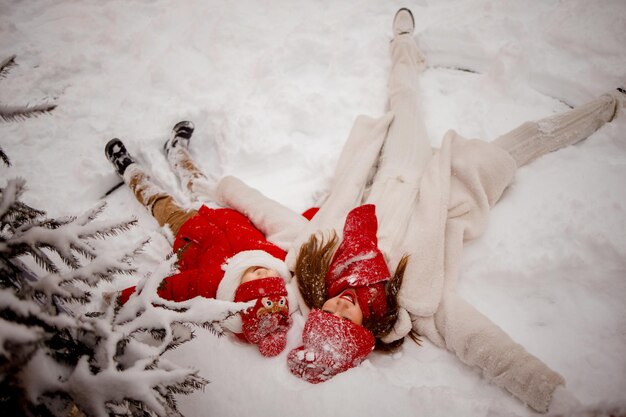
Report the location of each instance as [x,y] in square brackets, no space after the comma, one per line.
[16,113]
[4,158]
[6,65]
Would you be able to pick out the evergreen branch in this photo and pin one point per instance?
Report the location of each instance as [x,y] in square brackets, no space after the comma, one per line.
[6,64]
[118,386]
[215,326]
[76,349]
[83,298]
[4,158]
[16,332]
[10,274]
[139,249]
[181,334]
[104,230]
[16,113]
[55,223]
[110,190]
[192,383]
[85,250]
[18,214]
[91,214]
[26,312]
[120,271]
[65,254]
[104,265]
[38,255]
[10,199]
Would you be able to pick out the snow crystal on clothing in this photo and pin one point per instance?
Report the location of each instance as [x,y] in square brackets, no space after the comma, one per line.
[273,104]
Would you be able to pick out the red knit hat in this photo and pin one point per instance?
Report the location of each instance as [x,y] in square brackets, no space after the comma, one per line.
[331,345]
[266,323]
[358,263]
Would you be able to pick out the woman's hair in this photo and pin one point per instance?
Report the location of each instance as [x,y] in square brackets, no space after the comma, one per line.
[381,326]
[312,265]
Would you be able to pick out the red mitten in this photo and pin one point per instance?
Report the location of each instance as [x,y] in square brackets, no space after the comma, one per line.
[273,343]
[306,365]
[266,323]
[331,345]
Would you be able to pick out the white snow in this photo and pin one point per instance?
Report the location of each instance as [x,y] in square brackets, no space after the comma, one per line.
[273,88]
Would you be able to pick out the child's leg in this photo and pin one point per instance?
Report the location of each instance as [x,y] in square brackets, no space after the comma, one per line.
[406,150]
[160,204]
[191,177]
[533,139]
[157,201]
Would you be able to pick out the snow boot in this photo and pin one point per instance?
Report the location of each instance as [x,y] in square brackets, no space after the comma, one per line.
[182,134]
[117,154]
[403,22]
[621,96]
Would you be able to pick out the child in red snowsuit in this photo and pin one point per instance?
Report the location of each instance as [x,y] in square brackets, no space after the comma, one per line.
[220,252]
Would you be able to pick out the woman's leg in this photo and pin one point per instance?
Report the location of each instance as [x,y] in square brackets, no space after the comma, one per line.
[160,204]
[406,150]
[191,178]
[533,139]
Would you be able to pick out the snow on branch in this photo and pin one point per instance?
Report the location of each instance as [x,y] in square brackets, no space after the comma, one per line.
[16,113]
[57,357]
[6,64]
[4,158]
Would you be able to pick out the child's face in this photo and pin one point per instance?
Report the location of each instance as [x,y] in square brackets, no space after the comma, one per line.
[346,306]
[257,272]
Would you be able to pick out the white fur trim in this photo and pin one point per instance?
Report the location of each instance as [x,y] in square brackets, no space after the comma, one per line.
[235,267]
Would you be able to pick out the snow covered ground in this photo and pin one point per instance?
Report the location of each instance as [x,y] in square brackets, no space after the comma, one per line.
[273,87]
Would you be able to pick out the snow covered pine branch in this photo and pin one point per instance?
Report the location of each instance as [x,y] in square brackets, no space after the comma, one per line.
[59,359]
[14,113]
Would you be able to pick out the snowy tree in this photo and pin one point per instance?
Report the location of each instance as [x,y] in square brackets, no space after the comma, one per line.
[60,358]
[12,112]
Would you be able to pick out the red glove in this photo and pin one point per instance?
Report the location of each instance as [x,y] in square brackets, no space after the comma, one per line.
[331,345]
[266,324]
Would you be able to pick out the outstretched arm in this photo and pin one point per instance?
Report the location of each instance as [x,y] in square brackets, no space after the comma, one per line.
[355,165]
[279,224]
[477,341]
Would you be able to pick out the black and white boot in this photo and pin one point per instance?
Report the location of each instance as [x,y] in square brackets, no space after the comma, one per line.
[192,179]
[182,134]
[119,157]
[619,94]
[403,22]
[621,97]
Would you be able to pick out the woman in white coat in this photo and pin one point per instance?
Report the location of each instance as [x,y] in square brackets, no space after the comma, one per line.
[428,203]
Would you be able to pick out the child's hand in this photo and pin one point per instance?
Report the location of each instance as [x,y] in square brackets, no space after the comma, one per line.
[266,324]
[273,343]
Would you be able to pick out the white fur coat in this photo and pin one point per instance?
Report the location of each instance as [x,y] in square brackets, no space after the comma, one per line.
[460,184]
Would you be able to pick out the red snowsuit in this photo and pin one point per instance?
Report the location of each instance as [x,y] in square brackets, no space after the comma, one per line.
[203,244]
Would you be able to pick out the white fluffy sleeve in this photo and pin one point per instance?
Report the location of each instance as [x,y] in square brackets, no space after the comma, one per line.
[279,224]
